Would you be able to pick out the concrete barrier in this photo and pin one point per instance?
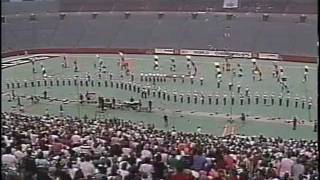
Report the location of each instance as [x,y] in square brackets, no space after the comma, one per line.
[290,58]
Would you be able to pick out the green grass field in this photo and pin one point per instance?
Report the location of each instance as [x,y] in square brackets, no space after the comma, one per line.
[182,120]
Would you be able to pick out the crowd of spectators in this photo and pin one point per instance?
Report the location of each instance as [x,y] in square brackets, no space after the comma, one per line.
[56,148]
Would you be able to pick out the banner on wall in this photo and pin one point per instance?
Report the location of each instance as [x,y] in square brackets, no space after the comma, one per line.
[194,52]
[255,55]
[221,53]
[230,4]
[163,51]
[240,54]
[216,53]
[269,56]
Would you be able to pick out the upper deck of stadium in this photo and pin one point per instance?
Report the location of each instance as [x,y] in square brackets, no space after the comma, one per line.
[257,6]
[282,33]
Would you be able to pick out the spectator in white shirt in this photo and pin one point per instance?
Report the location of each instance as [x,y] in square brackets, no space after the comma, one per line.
[19,154]
[123,171]
[75,139]
[285,166]
[146,154]
[8,160]
[297,169]
[147,168]
[87,167]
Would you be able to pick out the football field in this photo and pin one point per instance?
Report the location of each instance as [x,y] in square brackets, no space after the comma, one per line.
[262,117]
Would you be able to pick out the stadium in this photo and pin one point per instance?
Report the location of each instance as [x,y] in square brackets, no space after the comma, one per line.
[159,89]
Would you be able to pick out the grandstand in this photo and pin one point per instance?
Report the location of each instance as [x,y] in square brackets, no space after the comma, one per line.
[257,6]
[159,89]
[282,34]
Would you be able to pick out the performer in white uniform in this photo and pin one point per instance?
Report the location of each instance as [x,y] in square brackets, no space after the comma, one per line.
[173,65]
[188,62]
[156,63]
[305,74]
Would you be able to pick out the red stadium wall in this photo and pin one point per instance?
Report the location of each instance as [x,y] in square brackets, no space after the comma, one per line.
[306,59]
[291,58]
[77,51]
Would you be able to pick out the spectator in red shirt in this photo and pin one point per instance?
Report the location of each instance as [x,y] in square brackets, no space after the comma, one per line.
[180,175]
[229,162]
[221,175]
[220,163]
[56,147]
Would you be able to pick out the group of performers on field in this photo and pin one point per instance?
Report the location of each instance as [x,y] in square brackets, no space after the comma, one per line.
[277,72]
[191,66]
[238,70]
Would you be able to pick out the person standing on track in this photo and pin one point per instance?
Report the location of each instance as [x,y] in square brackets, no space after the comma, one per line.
[61,110]
[76,69]
[188,62]
[199,130]
[65,63]
[13,94]
[294,123]
[45,94]
[150,105]
[305,74]
[165,119]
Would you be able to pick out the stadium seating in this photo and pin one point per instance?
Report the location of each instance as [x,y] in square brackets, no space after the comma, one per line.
[265,6]
[280,34]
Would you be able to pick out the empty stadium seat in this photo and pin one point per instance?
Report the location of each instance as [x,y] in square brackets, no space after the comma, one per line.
[127,15]
[229,16]
[62,16]
[194,15]
[32,17]
[160,15]
[265,17]
[303,18]
[94,15]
